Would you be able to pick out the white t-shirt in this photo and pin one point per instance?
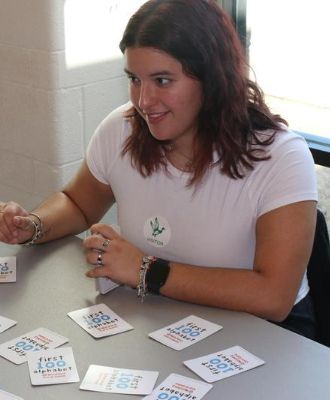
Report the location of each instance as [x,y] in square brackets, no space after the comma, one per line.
[212,226]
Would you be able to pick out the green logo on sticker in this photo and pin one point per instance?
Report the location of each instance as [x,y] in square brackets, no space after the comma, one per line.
[156,228]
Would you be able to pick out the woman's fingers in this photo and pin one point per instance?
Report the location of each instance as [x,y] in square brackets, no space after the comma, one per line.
[107,231]
[23,223]
[98,272]
[14,223]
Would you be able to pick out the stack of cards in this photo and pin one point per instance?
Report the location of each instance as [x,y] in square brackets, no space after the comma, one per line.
[185,332]
[99,321]
[17,349]
[118,380]
[7,269]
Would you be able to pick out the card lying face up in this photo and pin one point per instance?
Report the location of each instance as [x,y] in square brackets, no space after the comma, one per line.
[185,332]
[53,366]
[223,364]
[118,380]
[99,321]
[7,269]
[16,350]
[178,387]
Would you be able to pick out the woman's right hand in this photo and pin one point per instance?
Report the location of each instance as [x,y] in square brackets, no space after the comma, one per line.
[15,224]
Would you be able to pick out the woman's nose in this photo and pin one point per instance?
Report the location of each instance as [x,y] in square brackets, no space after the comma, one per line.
[147,96]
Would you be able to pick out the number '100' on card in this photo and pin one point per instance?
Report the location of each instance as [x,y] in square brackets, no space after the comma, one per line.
[16,350]
[223,364]
[99,321]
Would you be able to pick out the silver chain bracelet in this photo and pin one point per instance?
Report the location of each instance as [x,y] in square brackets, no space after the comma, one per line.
[38,231]
[142,289]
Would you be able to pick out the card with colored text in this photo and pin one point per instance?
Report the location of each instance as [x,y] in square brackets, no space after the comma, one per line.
[7,269]
[15,350]
[179,387]
[52,367]
[118,380]
[8,396]
[99,321]
[223,364]
[6,323]
[185,332]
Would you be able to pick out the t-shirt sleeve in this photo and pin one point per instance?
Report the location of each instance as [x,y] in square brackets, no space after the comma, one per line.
[288,177]
[106,143]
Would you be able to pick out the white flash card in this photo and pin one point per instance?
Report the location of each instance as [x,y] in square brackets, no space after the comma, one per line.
[52,367]
[105,285]
[179,387]
[6,323]
[118,380]
[223,364]
[185,332]
[7,269]
[15,350]
[8,396]
[99,321]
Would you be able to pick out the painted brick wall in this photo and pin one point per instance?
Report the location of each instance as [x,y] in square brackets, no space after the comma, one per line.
[49,110]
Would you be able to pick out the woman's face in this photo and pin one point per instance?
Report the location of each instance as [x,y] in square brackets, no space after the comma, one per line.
[163,94]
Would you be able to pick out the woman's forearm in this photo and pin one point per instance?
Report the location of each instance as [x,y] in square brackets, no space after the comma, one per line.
[235,289]
[60,216]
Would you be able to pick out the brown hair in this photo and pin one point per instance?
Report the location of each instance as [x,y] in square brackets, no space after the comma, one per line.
[201,36]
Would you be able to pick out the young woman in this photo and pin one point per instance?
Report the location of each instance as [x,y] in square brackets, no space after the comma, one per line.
[216,197]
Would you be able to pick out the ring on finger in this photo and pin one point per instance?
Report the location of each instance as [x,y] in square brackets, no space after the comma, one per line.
[99,260]
[105,244]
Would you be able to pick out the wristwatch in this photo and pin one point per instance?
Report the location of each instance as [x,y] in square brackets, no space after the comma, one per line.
[157,275]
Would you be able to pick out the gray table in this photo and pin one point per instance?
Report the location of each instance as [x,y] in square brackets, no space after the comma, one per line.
[51,282]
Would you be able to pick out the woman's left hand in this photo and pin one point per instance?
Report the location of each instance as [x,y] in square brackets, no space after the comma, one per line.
[112,256]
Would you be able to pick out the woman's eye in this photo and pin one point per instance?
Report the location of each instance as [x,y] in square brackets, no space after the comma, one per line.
[133,79]
[163,81]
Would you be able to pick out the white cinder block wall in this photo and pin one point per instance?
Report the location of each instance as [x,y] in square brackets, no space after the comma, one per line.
[48,107]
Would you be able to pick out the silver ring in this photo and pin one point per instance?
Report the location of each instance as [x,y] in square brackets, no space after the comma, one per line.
[106,243]
[99,260]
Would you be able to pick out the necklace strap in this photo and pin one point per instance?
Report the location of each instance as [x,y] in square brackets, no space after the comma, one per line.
[172,155]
